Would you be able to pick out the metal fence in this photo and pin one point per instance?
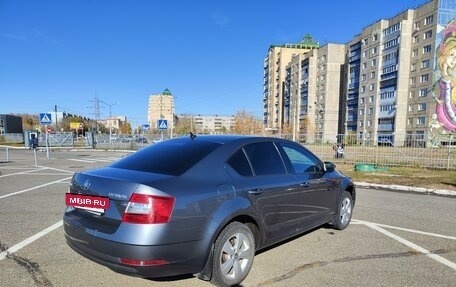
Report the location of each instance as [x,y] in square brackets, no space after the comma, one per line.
[398,150]
[410,150]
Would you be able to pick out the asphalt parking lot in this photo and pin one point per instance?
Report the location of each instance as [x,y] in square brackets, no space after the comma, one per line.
[395,239]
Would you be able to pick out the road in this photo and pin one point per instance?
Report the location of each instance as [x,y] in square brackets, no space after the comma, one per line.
[395,239]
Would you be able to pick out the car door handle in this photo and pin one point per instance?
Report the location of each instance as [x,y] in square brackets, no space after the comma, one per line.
[255,191]
[304,184]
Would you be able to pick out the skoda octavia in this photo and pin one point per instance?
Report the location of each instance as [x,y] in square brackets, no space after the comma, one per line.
[202,205]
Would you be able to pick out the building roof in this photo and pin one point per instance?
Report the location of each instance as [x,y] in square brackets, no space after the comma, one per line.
[307,42]
[167,92]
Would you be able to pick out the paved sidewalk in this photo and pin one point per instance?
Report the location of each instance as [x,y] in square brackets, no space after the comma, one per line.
[403,188]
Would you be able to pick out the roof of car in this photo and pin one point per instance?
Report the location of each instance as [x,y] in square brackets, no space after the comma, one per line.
[226,138]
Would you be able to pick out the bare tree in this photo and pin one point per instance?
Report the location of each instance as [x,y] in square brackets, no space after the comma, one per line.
[246,123]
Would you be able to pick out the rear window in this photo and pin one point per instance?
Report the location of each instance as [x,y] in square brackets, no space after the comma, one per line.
[172,157]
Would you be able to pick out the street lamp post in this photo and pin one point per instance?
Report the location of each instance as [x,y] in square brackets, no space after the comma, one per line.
[110,119]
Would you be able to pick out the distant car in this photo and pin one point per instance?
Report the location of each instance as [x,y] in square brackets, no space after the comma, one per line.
[202,205]
[157,140]
[141,140]
[127,139]
[385,142]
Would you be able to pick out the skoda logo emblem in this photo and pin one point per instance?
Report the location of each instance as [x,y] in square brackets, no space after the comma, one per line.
[86,185]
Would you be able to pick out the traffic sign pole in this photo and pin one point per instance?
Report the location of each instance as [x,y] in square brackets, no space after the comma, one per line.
[47,146]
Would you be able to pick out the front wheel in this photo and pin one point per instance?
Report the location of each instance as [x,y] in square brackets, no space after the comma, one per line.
[234,250]
[344,213]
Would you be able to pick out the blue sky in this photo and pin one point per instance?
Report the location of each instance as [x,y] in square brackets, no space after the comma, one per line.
[209,54]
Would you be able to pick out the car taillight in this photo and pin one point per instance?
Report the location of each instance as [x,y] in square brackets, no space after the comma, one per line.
[144,209]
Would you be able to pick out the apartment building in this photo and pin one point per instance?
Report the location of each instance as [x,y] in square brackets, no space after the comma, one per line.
[382,89]
[274,73]
[311,99]
[161,106]
[212,124]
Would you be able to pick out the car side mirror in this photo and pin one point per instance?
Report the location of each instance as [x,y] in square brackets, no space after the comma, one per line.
[329,166]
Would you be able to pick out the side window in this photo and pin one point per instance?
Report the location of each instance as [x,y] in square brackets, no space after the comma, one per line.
[302,160]
[240,164]
[264,158]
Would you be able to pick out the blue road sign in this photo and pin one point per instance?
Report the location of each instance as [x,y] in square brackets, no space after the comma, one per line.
[45,119]
[162,124]
[146,127]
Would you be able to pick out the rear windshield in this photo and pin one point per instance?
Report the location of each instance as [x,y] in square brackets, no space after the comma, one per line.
[169,157]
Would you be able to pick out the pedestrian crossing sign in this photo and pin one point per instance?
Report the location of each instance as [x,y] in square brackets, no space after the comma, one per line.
[45,119]
[162,124]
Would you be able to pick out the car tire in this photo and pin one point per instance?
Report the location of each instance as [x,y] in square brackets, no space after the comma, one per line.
[344,212]
[234,251]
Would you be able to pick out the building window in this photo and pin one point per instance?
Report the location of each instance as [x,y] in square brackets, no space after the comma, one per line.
[364,65]
[415,39]
[415,53]
[374,62]
[371,99]
[371,87]
[363,77]
[371,111]
[424,78]
[423,92]
[391,43]
[363,89]
[421,120]
[369,123]
[391,29]
[372,75]
[361,112]
[412,80]
[364,54]
[386,108]
[362,100]
[410,109]
[427,49]
[374,50]
[428,20]
[360,123]
[412,94]
[427,35]
[413,67]
[416,25]
[375,37]
[421,106]
[425,64]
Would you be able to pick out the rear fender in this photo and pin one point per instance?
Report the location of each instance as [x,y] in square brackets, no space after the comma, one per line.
[221,217]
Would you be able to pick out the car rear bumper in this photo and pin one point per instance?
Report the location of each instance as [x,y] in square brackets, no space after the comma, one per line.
[164,260]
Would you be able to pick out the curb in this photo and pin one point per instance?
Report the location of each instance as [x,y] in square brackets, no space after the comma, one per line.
[403,188]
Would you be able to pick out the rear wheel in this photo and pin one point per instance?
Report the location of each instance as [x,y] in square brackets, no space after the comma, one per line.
[234,250]
[344,214]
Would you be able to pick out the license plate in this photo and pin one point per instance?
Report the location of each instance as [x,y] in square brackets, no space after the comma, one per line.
[88,202]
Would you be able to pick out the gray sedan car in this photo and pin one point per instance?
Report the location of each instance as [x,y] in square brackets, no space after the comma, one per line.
[202,205]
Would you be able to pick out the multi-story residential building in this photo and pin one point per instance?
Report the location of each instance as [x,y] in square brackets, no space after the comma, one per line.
[390,82]
[312,92]
[114,123]
[214,124]
[274,77]
[161,107]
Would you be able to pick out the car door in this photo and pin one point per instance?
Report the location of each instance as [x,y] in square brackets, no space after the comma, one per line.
[272,190]
[315,191]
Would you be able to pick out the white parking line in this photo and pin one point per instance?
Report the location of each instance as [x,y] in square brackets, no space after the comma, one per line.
[35,187]
[29,240]
[412,245]
[23,172]
[92,160]
[81,160]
